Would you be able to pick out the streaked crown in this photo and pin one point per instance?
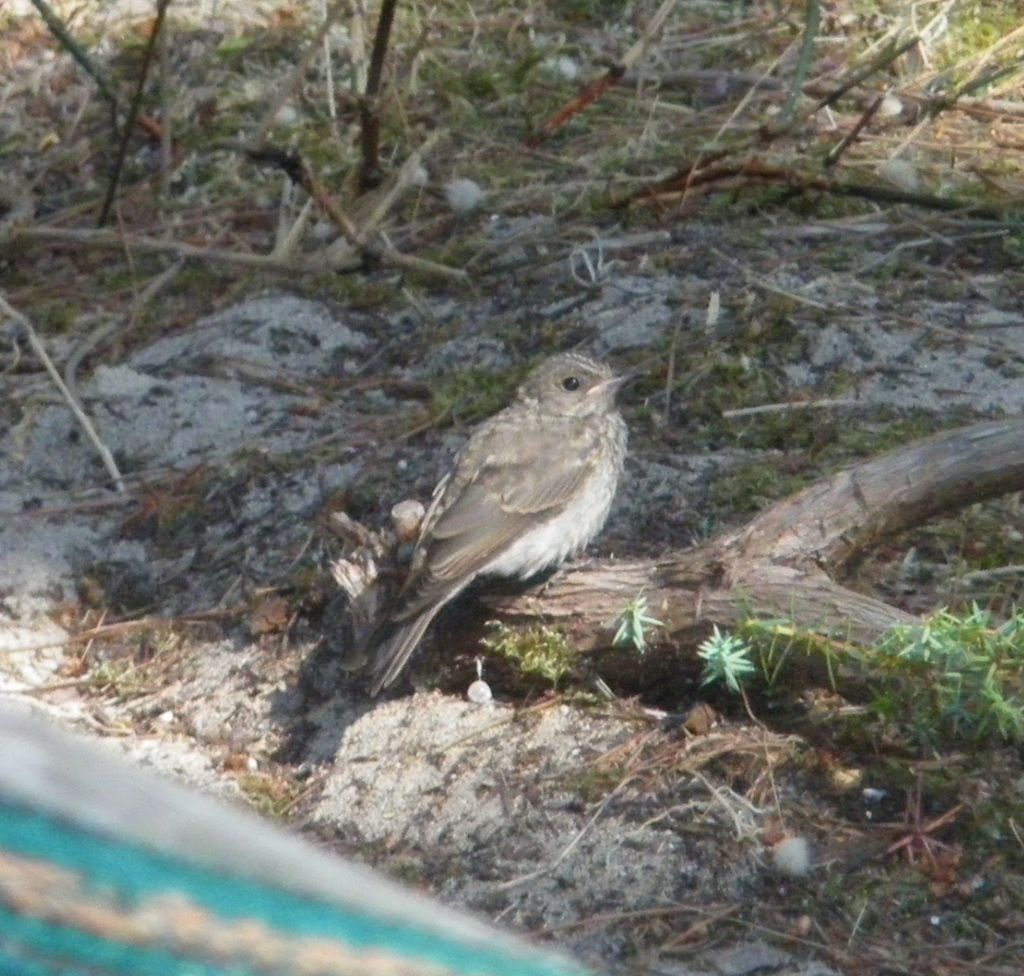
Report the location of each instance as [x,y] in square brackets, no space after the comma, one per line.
[570,384]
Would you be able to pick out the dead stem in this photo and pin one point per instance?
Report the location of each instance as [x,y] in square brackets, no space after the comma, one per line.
[79,414]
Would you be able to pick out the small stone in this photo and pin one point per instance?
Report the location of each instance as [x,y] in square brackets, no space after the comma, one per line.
[562,66]
[891,106]
[479,692]
[901,174]
[463,196]
[287,116]
[791,856]
[406,519]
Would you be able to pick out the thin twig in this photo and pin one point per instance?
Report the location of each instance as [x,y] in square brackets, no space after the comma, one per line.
[811,22]
[754,170]
[835,153]
[984,79]
[332,105]
[57,28]
[769,286]
[983,576]
[86,424]
[290,237]
[405,178]
[141,624]
[794,405]
[286,91]
[611,77]
[187,252]
[905,246]
[103,332]
[606,919]
[670,372]
[299,171]
[82,349]
[590,94]
[386,253]
[133,113]
[570,847]
[357,47]
[166,110]
[369,105]
[713,153]
[862,74]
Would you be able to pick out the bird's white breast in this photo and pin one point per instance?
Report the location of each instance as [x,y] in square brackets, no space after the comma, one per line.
[564,535]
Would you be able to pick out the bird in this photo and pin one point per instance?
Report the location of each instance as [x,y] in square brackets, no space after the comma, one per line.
[531,488]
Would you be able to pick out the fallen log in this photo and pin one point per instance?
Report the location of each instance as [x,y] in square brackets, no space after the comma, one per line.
[789,560]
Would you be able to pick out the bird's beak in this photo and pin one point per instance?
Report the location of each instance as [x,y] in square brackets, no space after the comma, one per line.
[609,388]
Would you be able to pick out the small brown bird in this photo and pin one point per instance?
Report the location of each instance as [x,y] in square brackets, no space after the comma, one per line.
[532,486]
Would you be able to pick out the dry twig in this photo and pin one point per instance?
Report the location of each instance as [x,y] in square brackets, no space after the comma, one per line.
[596,89]
[133,113]
[86,424]
[763,408]
[369,104]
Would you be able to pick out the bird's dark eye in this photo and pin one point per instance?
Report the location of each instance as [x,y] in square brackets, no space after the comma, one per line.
[571,383]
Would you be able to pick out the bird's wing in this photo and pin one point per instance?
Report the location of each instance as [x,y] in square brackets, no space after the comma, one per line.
[516,487]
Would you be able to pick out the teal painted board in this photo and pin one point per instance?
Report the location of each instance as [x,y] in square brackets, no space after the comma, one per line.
[106,871]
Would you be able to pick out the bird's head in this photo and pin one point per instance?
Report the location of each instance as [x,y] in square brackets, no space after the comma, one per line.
[571,385]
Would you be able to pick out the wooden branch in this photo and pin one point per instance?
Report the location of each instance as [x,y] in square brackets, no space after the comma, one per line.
[592,92]
[782,563]
[299,171]
[73,405]
[754,170]
[890,54]
[369,104]
[102,238]
[63,35]
[812,21]
[134,111]
[835,521]
[687,593]
[312,264]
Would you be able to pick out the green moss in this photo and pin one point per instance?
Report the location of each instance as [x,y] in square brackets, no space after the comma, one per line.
[55,318]
[119,678]
[115,277]
[479,85]
[141,669]
[808,448]
[272,795]
[491,77]
[975,26]
[472,394]
[592,784]
[751,487]
[877,432]
[196,278]
[406,869]
[590,12]
[354,291]
[542,651]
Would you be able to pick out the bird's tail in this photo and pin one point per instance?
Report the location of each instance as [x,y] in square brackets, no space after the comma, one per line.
[396,648]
